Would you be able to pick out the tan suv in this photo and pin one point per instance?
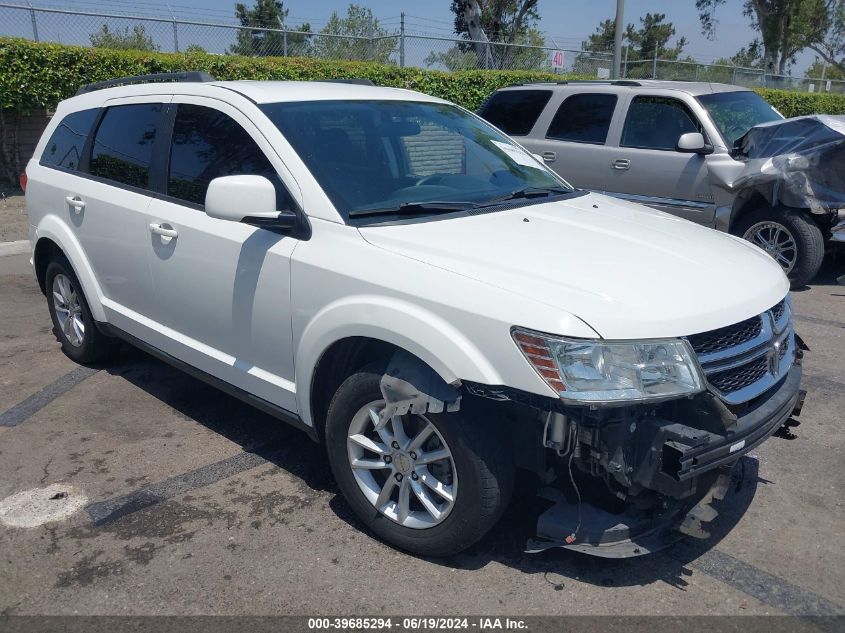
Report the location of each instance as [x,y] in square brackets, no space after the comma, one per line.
[685,148]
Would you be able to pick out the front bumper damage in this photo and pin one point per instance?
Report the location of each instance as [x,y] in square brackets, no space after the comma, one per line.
[675,473]
[628,481]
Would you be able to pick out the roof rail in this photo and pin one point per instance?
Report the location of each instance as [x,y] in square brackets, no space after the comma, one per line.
[143,79]
[601,82]
[352,80]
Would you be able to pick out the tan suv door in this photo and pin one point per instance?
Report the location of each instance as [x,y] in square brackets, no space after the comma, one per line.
[573,133]
[646,167]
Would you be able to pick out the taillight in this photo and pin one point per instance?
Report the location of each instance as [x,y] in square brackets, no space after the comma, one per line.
[22,180]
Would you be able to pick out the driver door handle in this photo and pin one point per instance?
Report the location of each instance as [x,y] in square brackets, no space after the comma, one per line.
[75,202]
[621,163]
[158,229]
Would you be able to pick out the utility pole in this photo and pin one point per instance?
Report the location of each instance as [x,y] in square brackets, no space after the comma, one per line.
[175,30]
[617,38]
[402,40]
[34,23]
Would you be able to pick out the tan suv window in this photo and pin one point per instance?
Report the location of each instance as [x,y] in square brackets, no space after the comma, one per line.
[657,123]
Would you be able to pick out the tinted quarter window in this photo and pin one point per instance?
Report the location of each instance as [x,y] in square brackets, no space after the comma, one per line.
[515,111]
[657,123]
[64,149]
[123,145]
[583,118]
[208,144]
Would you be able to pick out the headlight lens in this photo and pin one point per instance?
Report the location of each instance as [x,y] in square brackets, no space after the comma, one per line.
[595,371]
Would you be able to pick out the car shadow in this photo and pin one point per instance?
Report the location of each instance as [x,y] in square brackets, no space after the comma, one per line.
[833,267]
[255,431]
[292,451]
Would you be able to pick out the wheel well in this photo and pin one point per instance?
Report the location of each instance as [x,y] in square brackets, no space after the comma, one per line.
[336,364]
[756,200]
[45,250]
[746,205]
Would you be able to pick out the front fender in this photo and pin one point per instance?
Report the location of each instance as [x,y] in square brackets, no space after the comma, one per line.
[424,334]
[52,228]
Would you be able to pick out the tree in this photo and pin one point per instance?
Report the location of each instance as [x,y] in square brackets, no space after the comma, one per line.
[486,24]
[136,39]
[821,69]
[653,36]
[195,48]
[364,39]
[786,27]
[261,42]
[830,42]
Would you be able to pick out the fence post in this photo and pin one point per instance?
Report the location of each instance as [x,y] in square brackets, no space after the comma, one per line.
[625,65]
[654,66]
[175,30]
[402,40]
[284,36]
[34,23]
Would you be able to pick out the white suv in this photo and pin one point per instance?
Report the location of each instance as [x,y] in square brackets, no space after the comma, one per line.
[388,272]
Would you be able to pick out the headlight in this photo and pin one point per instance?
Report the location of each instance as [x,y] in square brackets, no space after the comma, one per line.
[595,371]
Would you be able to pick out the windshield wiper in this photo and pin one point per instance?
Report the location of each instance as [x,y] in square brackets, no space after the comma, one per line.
[414,208]
[528,193]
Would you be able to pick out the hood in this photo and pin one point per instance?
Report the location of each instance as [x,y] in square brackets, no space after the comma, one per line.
[624,269]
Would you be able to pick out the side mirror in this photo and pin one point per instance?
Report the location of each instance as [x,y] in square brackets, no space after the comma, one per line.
[247,199]
[693,143]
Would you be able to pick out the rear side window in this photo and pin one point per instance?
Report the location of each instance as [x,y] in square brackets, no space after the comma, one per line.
[123,144]
[515,111]
[657,123]
[583,118]
[208,144]
[64,149]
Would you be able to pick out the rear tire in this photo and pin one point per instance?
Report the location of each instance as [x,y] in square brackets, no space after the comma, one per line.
[483,471]
[790,237]
[73,324]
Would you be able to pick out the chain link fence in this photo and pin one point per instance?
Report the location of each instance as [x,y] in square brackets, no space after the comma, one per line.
[176,34]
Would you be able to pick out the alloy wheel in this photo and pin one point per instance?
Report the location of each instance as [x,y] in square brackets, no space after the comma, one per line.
[777,241]
[403,466]
[68,310]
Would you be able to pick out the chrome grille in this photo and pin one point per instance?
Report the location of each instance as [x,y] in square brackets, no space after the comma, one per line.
[743,360]
[778,310]
[726,337]
[740,377]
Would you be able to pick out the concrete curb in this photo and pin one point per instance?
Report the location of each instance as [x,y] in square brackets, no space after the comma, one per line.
[14,248]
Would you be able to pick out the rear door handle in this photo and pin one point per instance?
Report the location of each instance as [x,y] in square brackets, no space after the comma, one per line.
[621,163]
[549,157]
[75,202]
[158,229]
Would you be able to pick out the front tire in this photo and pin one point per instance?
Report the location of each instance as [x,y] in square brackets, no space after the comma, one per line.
[73,324]
[790,238]
[430,484]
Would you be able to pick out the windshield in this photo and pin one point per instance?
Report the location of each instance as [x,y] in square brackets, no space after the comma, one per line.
[734,113]
[392,157]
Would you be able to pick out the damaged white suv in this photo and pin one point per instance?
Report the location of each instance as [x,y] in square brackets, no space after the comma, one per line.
[388,272]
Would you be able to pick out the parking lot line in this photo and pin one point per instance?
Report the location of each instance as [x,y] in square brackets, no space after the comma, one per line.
[102,512]
[37,401]
[757,583]
[819,320]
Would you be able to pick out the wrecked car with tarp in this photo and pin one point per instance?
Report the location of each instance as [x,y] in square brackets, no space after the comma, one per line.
[797,163]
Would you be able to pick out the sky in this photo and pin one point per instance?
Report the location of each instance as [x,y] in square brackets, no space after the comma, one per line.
[566,23]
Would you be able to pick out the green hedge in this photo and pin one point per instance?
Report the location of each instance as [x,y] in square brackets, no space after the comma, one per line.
[797,103]
[35,75]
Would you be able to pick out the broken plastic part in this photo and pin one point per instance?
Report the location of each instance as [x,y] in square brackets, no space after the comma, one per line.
[796,162]
[409,385]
